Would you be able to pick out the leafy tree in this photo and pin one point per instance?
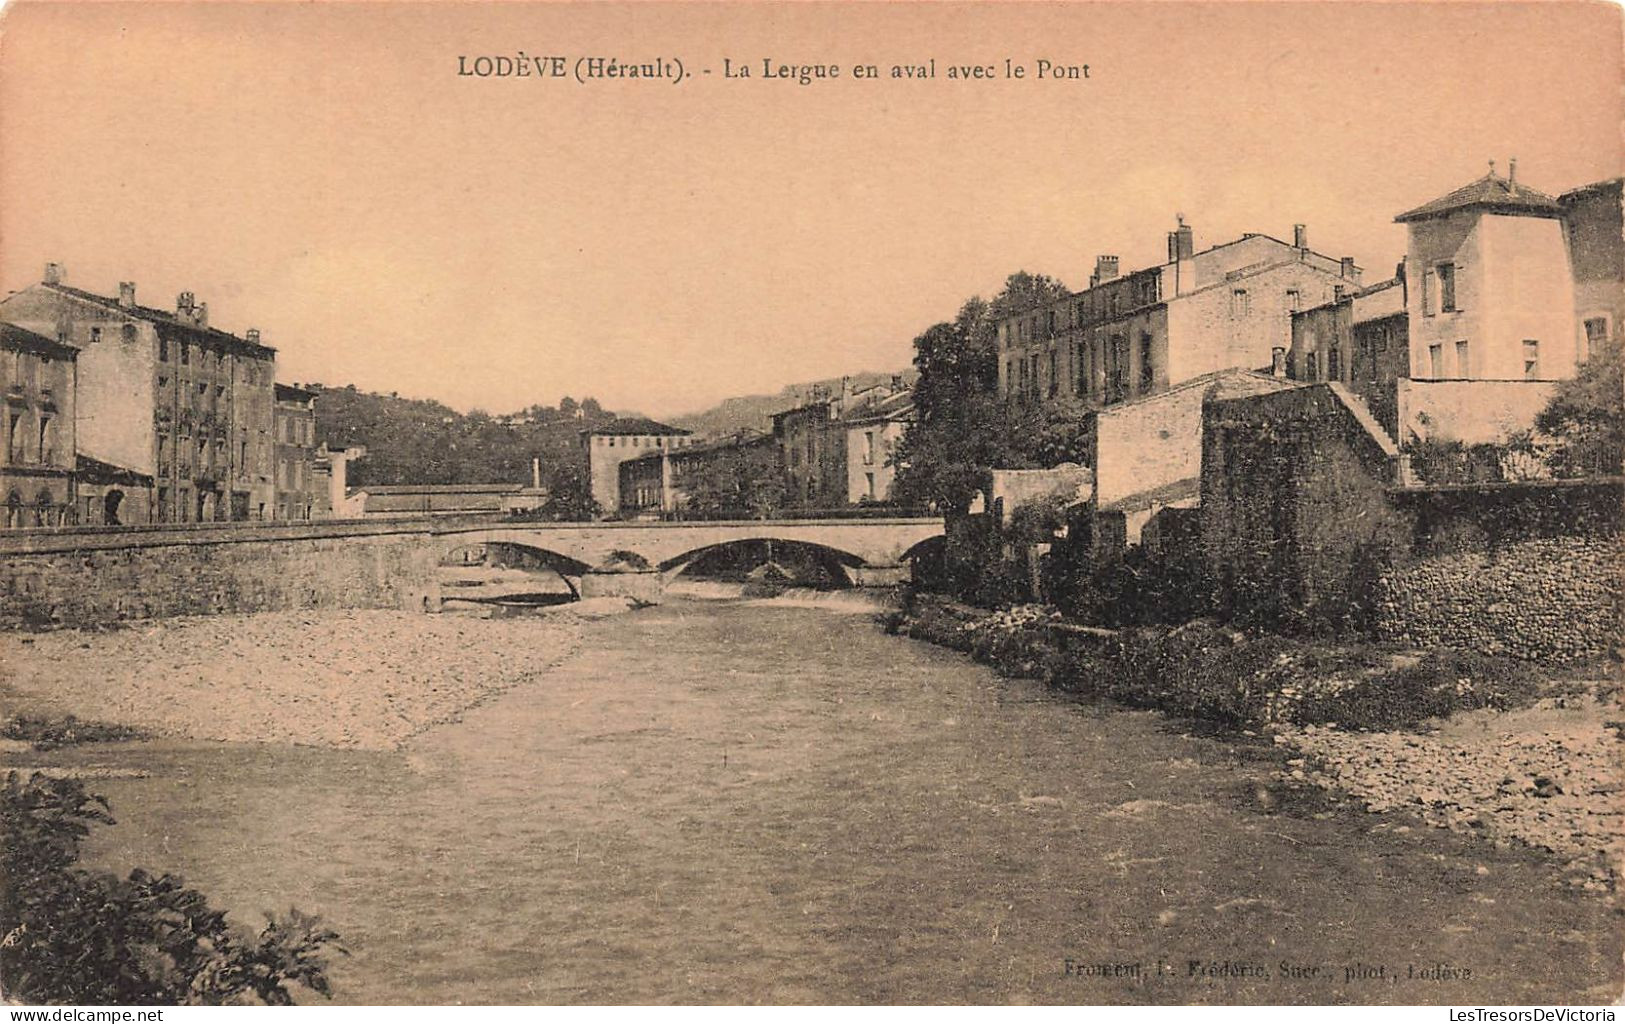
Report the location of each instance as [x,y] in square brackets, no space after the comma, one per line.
[963,425]
[741,479]
[68,935]
[569,494]
[1584,416]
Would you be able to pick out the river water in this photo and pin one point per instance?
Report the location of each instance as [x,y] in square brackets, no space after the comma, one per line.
[753,802]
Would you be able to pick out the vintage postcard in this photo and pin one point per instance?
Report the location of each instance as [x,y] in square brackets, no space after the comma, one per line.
[1106,503]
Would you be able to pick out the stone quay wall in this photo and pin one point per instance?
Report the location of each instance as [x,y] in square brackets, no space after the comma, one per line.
[86,577]
[1553,598]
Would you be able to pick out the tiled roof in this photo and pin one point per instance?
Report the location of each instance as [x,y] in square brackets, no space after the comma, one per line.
[95,471]
[1596,187]
[293,393]
[167,321]
[636,426]
[1491,192]
[14,337]
[1162,494]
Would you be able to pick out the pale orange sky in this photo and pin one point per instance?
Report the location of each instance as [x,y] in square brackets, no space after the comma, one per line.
[321,172]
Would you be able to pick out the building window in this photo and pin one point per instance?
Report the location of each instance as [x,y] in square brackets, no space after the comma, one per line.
[1052,323]
[186,354]
[127,332]
[14,438]
[95,335]
[1531,359]
[1240,304]
[45,439]
[1334,364]
[868,447]
[1447,287]
[1427,293]
[1054,375]
[1436,361]
[1293,299]
[1147,370]
[1464,366]
[1596,335]
[869,485]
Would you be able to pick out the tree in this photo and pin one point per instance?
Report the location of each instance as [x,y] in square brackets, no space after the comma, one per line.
[569,494]
[1584,416]
[964,426]
[69,935]
[738,479]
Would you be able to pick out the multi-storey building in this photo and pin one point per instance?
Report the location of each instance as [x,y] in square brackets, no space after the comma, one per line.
[835,448]
[37,474]
[1491,294]
[294,431]
[813,453]
[873,428]
[1594,227]
[1133,335]
[164,395]
[659,481]
[608,445]
[1360,340]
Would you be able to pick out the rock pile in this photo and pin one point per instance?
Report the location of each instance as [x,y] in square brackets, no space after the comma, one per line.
[1548,776]
[360,679]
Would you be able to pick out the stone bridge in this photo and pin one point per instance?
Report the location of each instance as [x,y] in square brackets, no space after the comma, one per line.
[93,575]
[638,558]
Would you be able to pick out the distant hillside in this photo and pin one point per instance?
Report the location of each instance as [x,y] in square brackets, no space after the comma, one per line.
[413,441]
[755,412]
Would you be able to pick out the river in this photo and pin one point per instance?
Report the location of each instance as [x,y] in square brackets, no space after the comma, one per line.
[751,802]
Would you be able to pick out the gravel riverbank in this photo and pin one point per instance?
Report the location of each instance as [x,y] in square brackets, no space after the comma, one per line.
[1548,776]
[356,679]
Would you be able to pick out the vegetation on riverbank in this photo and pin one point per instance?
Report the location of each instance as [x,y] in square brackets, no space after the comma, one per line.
[70,935]
[1223,675]
[48,732]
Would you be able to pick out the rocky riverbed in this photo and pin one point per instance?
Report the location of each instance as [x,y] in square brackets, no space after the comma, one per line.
[1548,776]
[354,679]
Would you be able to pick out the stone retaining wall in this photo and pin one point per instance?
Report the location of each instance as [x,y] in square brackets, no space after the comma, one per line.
[205,574]
[1545,599]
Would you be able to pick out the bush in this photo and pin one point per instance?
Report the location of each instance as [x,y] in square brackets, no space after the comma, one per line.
[68,935]
[1210,672]
[47,733]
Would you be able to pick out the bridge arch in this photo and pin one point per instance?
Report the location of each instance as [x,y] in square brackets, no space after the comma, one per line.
[834,561]
[471,554]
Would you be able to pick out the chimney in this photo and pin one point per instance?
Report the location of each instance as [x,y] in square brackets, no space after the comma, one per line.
[200,314]
[1348,267]
[126,294]
[253,335]
[1277,361]
[1173,247]
[1512,171]
[1300,236]
[53,273]
[897,382]
[184,302]
[535,474]
[1187,242]
[1105,270]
